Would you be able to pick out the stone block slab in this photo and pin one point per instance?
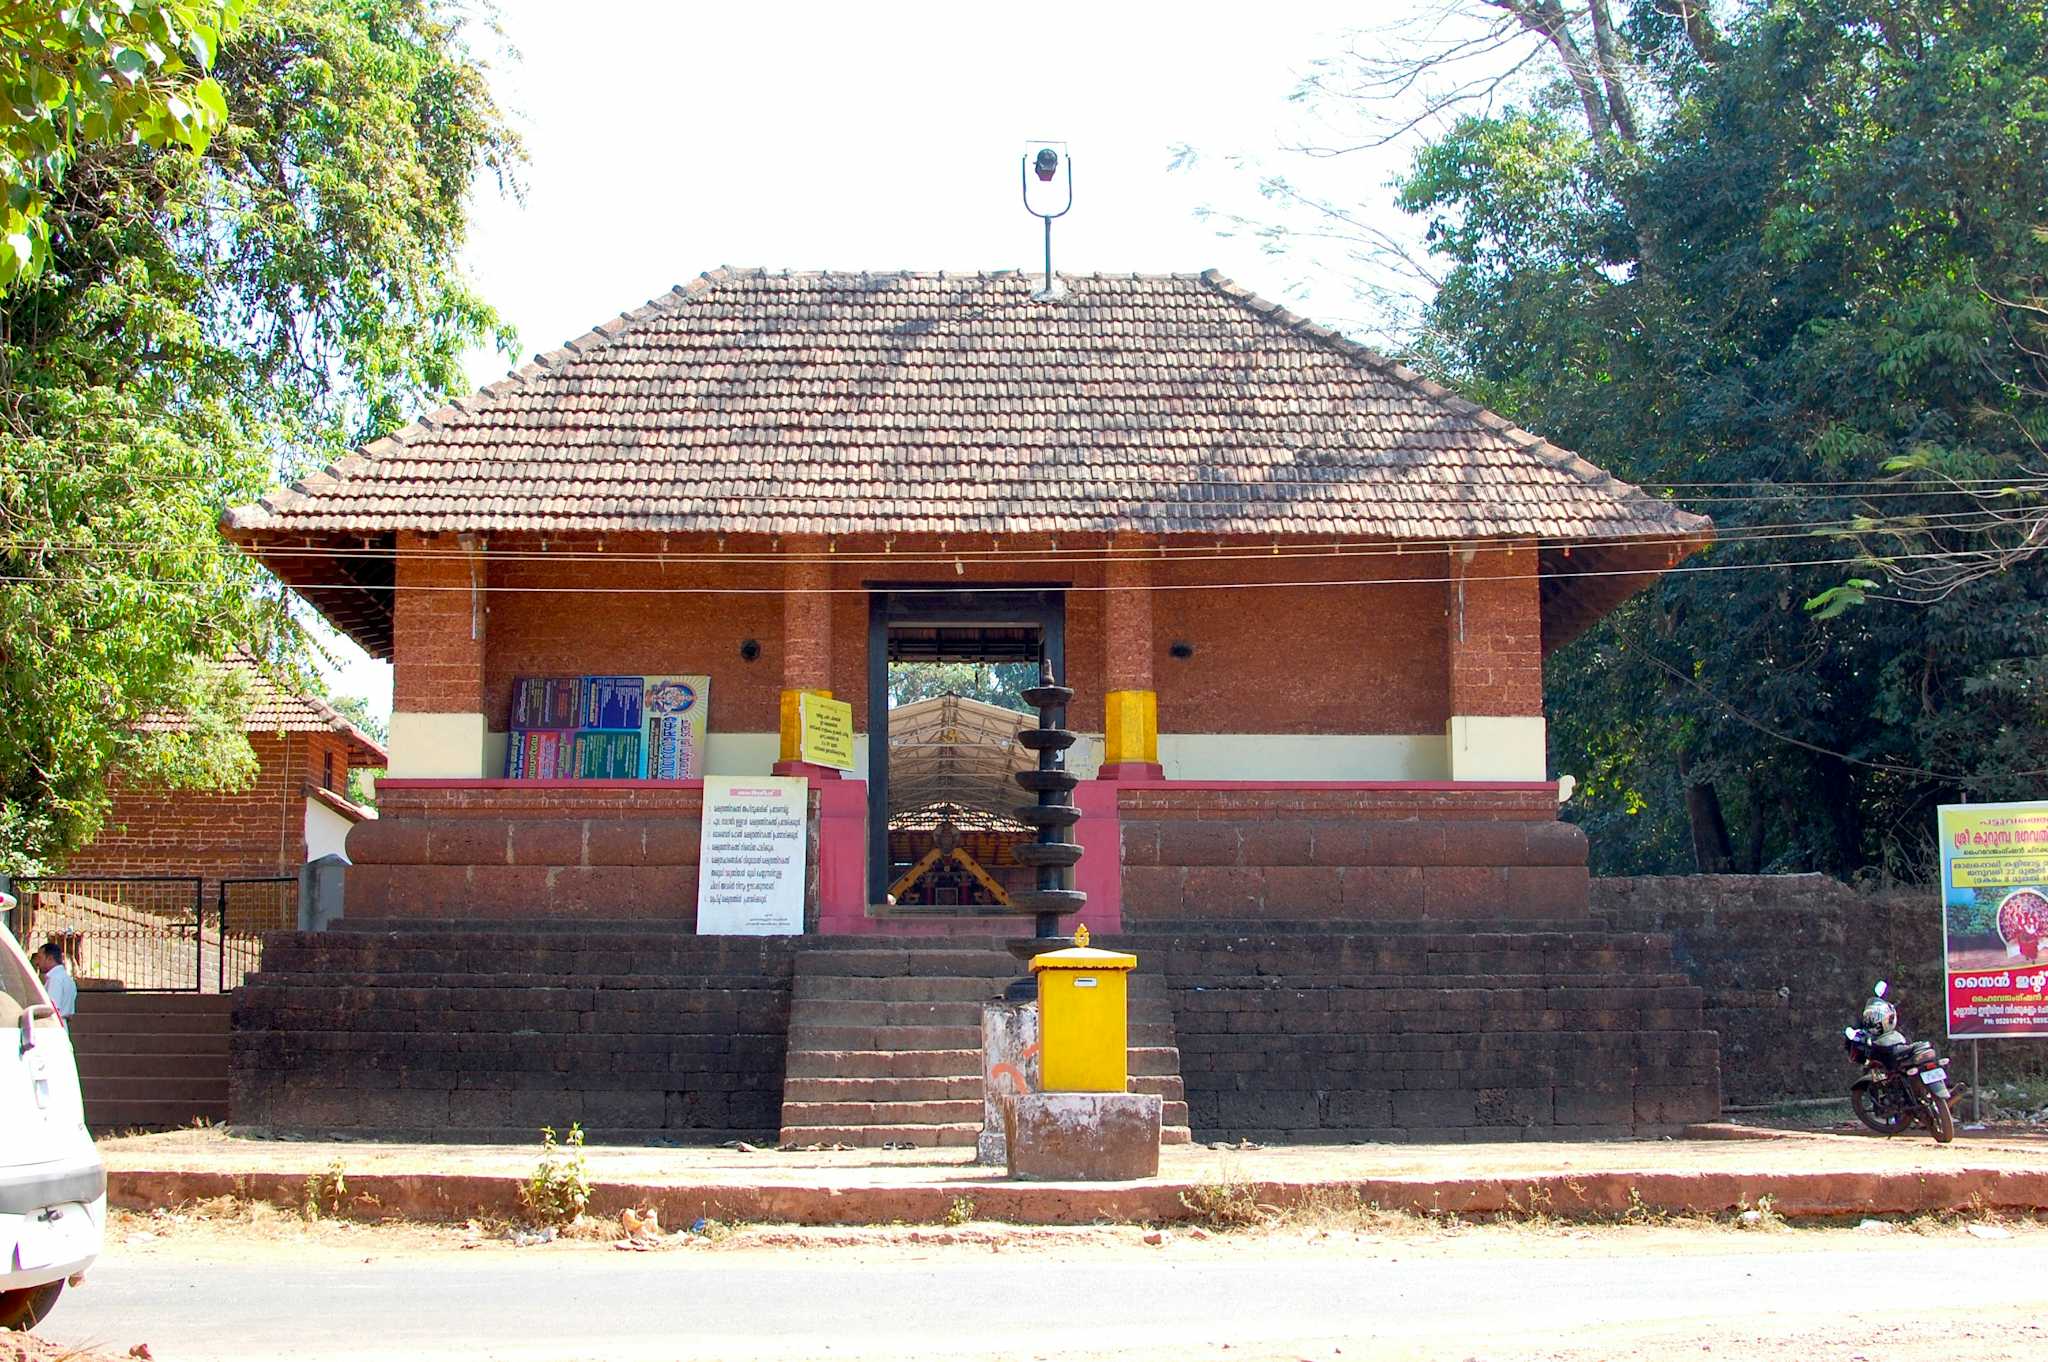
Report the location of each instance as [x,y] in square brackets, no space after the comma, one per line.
[1083,1136]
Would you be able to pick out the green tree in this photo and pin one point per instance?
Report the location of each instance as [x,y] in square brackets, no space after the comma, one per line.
[993,683]
[1782,270]
[77,77]
[357,711]
[206,322]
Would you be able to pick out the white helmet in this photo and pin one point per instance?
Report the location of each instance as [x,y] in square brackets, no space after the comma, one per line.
[1879,1015]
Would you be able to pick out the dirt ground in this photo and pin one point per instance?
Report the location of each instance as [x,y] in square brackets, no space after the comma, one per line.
[1333,1224]
[226,1231]
[2015,1335]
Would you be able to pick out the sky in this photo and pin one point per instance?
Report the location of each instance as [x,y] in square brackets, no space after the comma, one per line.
[669,137]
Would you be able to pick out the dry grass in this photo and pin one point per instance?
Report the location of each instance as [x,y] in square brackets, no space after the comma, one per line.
[1232,1206]
[16,1347]
[1229,1207]
[1225,1205]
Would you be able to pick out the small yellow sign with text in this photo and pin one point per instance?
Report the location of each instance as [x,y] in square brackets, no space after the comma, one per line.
[827,731]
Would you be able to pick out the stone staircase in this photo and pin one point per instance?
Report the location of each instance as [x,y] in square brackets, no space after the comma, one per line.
[152,1059]
[885,1044]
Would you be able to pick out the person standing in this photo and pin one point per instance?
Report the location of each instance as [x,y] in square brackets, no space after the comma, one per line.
[57,980]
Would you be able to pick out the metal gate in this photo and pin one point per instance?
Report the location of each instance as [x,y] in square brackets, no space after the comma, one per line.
[143,931]
[249,908]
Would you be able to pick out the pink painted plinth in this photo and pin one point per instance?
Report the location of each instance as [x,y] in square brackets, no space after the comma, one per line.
[810,770]
[1131,770]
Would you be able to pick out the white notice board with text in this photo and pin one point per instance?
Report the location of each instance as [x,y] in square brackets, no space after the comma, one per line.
[750,867]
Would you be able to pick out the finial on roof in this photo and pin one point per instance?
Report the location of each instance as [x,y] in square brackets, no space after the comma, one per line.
[1050,166]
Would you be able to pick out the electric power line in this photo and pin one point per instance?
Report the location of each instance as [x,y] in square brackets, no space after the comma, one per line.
[699,589]
[1952,521]
[1894,768]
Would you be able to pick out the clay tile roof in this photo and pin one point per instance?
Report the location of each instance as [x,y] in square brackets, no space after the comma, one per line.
[843,403]
[273,709]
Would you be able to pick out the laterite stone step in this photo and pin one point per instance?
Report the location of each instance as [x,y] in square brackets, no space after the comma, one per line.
[152,1059]
[809,1035]
[92,1044]
[870,1012]
[154,1088]
[939,1113]
[953,1136]
[162,1115]
[885,1043]
[110,1066]
[1145,1061]
[871,988]
[820,1090]
[133,1023]
[928,963]
[806,1037]
[924,1088]
[884,1064]
[103,1001]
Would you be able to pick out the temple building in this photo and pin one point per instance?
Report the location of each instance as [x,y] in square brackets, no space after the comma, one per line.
[1302,593]
[1289,580]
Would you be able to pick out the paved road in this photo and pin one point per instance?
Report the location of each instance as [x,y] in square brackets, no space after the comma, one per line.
[1375,1300]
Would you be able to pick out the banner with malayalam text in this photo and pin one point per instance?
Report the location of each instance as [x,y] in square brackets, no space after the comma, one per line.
[607,727]
[1994,922]
[751,856]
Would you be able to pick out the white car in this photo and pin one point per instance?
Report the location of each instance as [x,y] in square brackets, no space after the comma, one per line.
[53,1188]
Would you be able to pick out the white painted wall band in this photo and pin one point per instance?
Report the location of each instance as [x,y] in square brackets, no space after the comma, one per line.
[1489,747]
[1474,748]
[1303,756]
[440,747]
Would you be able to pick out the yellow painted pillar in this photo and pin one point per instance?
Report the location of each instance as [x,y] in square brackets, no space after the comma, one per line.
[793,722]
[1130,730]
[806,647]
[1130,707]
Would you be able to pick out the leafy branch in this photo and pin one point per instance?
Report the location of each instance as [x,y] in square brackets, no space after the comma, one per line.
[80,74]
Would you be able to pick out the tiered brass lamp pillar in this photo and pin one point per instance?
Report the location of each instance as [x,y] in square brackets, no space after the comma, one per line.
[1052,854]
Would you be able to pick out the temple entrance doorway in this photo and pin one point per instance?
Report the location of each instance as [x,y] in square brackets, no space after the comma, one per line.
[945,669]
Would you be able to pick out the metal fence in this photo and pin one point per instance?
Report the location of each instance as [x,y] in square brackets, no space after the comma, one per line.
[249,908]
[144,931]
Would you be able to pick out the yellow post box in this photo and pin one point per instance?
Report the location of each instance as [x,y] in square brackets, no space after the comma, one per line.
[1083,1017]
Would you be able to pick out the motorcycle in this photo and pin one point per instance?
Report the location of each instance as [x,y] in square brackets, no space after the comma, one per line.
[1904,1081]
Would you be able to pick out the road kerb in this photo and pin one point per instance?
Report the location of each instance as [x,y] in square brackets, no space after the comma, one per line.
[1574,1195]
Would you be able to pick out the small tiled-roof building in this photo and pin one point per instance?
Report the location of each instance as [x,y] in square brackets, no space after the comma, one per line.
[1292,582]
[295,809]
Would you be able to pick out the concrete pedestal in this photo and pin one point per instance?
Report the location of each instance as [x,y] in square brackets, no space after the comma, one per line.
[1083,1136]
[1009,1067]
